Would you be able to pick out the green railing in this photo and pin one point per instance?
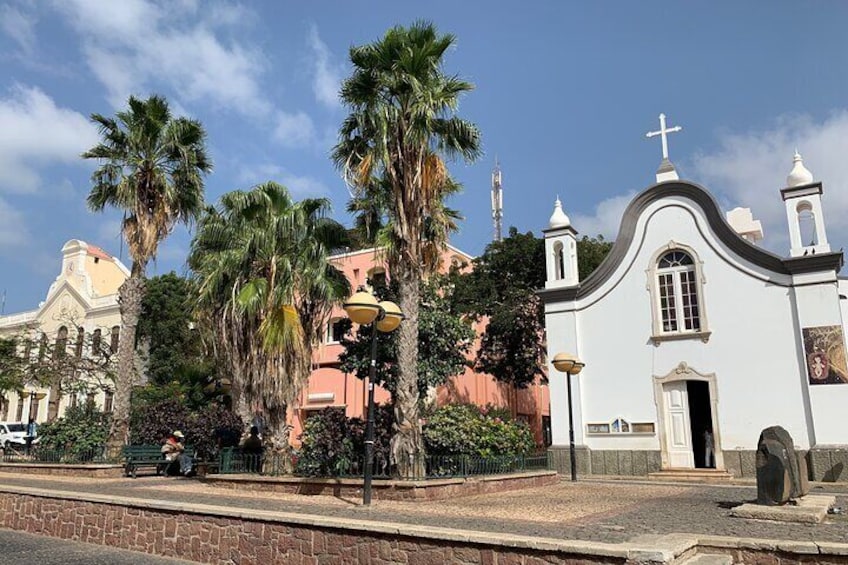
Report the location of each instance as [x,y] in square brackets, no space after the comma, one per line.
[44,454]
[420,468]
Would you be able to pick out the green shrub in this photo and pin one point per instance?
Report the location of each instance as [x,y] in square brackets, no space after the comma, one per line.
[81,433]
[152,423]
[333,444]
[465,428]
[210,423]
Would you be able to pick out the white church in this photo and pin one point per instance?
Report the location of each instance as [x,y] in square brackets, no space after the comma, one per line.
[694,336]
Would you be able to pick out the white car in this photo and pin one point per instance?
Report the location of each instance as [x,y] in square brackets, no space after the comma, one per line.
[13,433]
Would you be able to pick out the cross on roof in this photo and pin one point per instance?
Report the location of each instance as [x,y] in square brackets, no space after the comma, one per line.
[663,132]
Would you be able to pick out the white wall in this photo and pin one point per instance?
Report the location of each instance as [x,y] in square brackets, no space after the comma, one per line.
[752,350]
[820,306]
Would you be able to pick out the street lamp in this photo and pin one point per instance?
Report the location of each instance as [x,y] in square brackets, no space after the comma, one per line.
[385,316]
[570,365]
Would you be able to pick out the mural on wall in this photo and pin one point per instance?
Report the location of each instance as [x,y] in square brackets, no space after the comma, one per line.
[824,347]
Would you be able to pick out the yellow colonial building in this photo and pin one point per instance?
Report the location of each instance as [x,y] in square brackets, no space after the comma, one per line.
[79,317]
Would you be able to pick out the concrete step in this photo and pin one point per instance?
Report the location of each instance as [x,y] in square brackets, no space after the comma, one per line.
[692,475]
[708,559]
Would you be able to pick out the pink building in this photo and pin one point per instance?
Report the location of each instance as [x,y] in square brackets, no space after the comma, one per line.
[330,387]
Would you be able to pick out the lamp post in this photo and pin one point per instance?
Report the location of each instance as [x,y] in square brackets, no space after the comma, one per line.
[385,316]
[570,365]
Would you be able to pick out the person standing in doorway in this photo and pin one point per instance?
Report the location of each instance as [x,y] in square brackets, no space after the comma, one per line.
[709,449]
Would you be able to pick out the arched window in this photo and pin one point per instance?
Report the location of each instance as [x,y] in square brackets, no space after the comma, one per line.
[95,342]
[559,261]
[80,341]
[679,307]
[807,224]
[61,343]
[116,333]
[377,277]
[42,347]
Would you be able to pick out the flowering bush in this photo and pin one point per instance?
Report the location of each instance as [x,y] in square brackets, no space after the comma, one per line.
[466,428]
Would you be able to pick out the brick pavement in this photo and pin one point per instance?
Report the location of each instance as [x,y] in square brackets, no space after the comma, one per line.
[587,510]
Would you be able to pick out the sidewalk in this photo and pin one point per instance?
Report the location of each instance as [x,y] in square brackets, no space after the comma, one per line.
[611,511]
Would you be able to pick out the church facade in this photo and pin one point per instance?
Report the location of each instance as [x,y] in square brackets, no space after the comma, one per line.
[695,339]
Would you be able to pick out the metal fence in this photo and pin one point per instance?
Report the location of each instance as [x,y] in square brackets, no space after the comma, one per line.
[416,468]
[43,454]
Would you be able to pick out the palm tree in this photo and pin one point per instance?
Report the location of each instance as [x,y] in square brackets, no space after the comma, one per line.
[152,169]
[267,288]
[401,127]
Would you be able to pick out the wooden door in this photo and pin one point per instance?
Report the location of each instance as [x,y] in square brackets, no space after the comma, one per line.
[678,434]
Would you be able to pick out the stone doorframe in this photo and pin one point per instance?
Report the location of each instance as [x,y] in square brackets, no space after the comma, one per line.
[684,372]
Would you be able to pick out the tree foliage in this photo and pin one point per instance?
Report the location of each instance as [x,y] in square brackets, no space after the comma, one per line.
[166,324]
[591,252]
[392,148]
[445,340]
[266,290]
[502,287]
[151,168]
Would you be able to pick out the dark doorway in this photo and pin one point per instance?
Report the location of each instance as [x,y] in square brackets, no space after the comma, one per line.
[701,423]
[546,431]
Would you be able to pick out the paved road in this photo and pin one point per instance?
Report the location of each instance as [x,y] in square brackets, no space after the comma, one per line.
[18,548]
[615,511]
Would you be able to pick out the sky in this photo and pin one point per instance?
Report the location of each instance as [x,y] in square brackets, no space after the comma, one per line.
[565,92]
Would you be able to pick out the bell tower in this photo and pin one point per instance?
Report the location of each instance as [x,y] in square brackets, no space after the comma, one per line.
[560,250]
[802,198]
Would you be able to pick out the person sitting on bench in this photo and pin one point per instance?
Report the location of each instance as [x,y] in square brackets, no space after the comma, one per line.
[174,451]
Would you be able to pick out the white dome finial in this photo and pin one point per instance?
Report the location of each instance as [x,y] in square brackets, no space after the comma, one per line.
[799,175]
[558,218]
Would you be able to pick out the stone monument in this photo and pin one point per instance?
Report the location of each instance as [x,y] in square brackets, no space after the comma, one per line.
[781,475]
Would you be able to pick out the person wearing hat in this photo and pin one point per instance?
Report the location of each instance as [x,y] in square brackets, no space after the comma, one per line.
[173,451]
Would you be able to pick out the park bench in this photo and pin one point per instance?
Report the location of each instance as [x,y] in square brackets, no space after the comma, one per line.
[138,456]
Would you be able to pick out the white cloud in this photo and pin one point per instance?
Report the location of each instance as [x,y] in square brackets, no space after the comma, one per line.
[294,130]
[605,219]
[748,169]
[300,186]
[131,47]
[19,25]
[13,230]
[36,133]
[327,76]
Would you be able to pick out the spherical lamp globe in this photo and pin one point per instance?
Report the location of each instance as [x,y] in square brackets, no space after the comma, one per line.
[564,362]
[362,308]
[392,317]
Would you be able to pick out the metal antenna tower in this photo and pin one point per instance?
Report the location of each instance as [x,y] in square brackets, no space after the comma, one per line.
[497,200]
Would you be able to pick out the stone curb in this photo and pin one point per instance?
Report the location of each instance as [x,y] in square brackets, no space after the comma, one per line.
[248,478]
[661,549]
[574,547]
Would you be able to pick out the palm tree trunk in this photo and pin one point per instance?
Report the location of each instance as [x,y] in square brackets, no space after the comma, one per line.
[130,296]
[277,443]
[407,445]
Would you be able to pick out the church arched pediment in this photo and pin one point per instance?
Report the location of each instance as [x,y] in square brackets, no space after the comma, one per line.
[712,213]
